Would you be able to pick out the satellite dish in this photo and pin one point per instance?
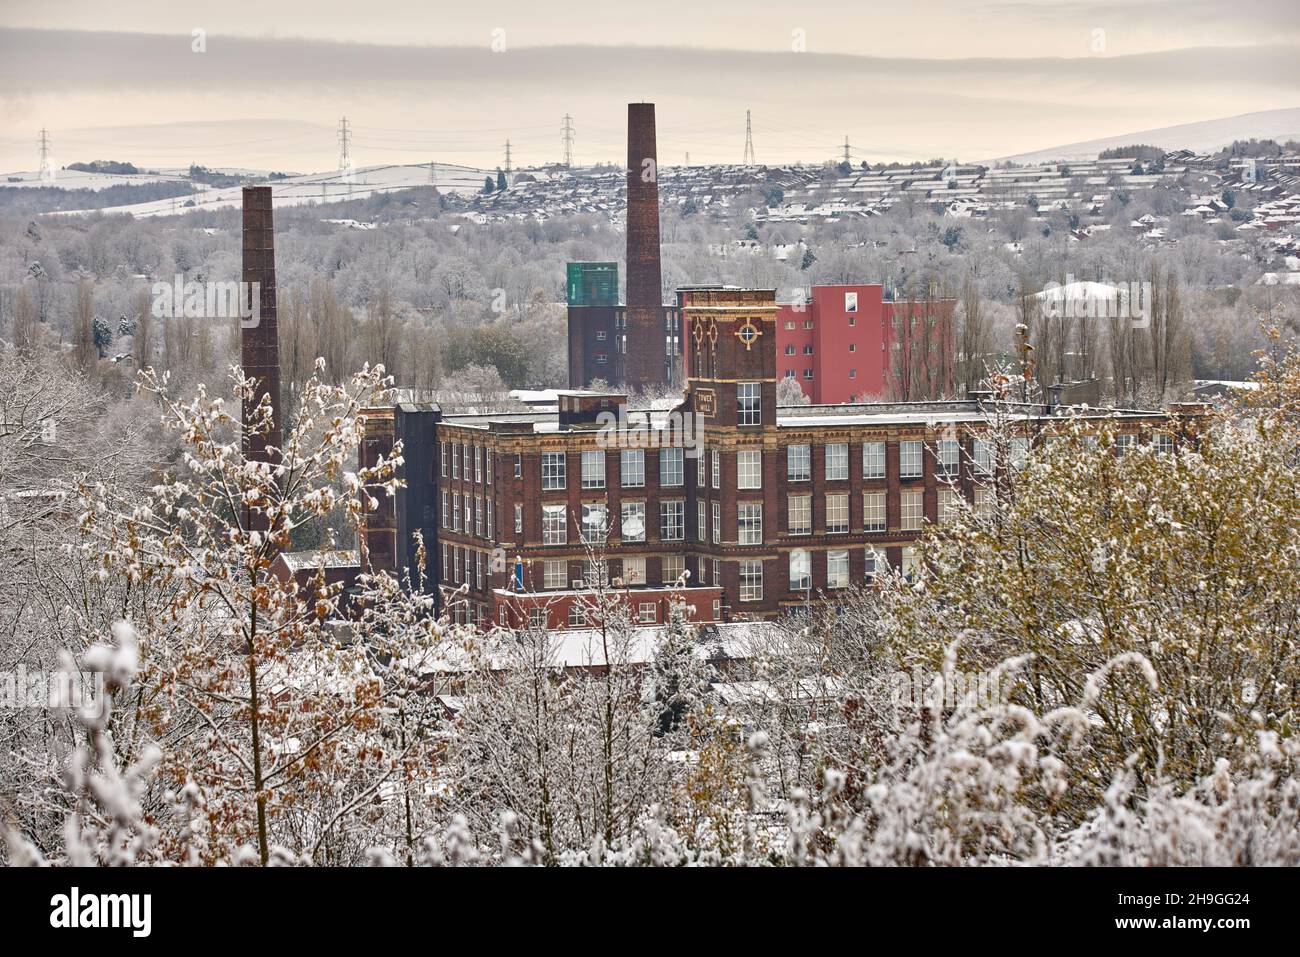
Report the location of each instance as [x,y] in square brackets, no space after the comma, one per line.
[633,527]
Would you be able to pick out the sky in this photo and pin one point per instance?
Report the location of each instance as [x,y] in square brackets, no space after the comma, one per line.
[262,84]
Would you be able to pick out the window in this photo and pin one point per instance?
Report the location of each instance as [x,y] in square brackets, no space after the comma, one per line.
[837,462]
[537,617]
[983,456]
[946,453]
[837,569]
[853,347]
[595,574]
[1163,441]
[749,469]
[716,461]
[519,465]
[631,466]
[751,581]
[444,511]
[837,513]
[798,463]
[790,350]
[519,519]
[577,615]
[478,463]
[442,458]
[478,516]
[455,460]
[593,469]
[873,511]
[701,468]
[455,511]
[487,464]
[985,500]
[949,506]
[873,460]
[807,373]
[749,404]
[672,567]
[634,571]
[1125,443]
[670,467]
[633,526]
[909,459]
[554,525]
[799,515]
[911,511]
[593,522]
[853,373]
[800,570]
[850,302]
[491,526]
[717,523]
[701,521]
[911,563]
[807,350]
[672,520]
[876,563]
[647,613]
[469,515]
[601,335]
[1019,452]
[552,471]
[749,523]
[790,324]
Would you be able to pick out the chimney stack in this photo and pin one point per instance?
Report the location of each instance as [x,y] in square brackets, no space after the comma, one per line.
[259,343]
[645,359]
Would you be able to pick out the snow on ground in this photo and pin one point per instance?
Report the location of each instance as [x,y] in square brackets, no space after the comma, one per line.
[316,188]
[77,179]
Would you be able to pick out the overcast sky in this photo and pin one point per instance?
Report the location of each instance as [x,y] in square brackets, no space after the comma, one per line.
[953,78]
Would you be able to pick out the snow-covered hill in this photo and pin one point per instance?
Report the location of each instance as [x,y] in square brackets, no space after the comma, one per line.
[77,179]
[1206,136]
[292,191]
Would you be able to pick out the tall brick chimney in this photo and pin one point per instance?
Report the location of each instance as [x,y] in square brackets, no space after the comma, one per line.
[259,344]
[644,361]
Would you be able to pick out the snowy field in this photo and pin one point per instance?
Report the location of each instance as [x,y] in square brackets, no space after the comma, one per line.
[293,191]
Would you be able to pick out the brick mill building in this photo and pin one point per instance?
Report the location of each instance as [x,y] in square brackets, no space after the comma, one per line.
[717,498]
[741,507]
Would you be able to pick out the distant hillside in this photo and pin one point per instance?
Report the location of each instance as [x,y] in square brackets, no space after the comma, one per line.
[1203,137]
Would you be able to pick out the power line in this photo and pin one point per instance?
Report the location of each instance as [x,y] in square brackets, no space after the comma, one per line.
[568,140]
[507,159]
[749,141]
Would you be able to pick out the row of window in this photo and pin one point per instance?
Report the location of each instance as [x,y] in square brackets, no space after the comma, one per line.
[594,525]
[749,464]
[475,459]
[472,515]
[672,469]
